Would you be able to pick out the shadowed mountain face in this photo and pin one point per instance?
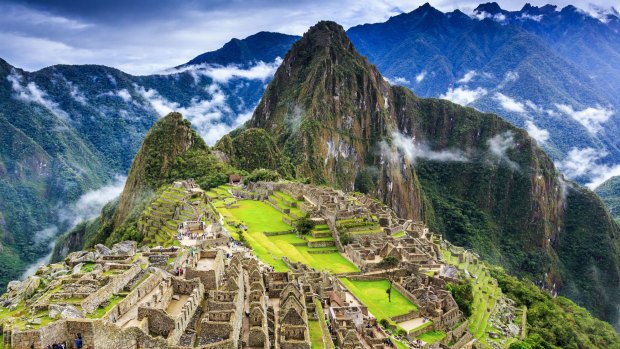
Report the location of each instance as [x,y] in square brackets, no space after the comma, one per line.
[474,177]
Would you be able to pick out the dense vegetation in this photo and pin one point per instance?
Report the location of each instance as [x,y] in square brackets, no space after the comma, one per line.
[610,194]
[555,323]
[462,293]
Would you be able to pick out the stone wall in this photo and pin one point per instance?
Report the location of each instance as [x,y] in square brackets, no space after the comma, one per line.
[92,302]
[53,333]
[159,323]
[134,297]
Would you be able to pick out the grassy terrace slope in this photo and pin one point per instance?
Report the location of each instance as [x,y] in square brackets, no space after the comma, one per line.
[373,295]
[260,218]
[485,291]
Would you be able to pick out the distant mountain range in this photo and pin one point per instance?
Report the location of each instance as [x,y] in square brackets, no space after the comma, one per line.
[553,72]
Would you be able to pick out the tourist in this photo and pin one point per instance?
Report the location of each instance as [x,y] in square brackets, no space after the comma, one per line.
[78,341]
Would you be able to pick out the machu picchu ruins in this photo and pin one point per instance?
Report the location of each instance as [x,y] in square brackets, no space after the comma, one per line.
[231,268]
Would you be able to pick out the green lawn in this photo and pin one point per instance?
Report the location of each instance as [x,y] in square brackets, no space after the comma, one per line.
[373,295]
[260,217]
[316,334]
[431,337]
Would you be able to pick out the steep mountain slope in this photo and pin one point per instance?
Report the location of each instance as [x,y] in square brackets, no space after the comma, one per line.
[609,192]
[171,150]
[503,66]
[480,181]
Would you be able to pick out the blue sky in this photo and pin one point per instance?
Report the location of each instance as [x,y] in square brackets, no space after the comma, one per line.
[146,36]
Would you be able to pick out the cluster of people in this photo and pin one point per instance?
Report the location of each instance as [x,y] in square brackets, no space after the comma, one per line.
[55,346]
[79,344]
[193,236]
[180,271]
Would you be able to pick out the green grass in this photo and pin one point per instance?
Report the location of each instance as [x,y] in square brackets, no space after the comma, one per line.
[260,217]
[316,334]
[400,234]
[100,312]
[431,337]
[373,295]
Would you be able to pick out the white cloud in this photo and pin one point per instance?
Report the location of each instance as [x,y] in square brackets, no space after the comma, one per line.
[89,205]
[124,95]
[32,94]
[464,96]
[207,116]
[222,74]
[397,80]
[539,134]
[585,164]
[527,16]
[498,17]
[467,77]
[499,146]
[591,118]
[509,104]
[420,77]
[76,94]
[412,150]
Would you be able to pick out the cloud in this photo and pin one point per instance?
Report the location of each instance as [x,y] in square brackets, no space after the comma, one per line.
[585,164]
[76,94]
[208,116]
[467,77]
[89,205]
[509,104]
[463,96]
[398,80]
[293,118]
[123,94]
[499,146]
[591,118]
[223,74]
[539,134]
[526,16]
[32,94]
[216,131]
[420,77]
[480,15]
[412,150]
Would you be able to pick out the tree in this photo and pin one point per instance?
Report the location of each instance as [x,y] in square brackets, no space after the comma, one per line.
[463,295]
[304,225]
[388,263]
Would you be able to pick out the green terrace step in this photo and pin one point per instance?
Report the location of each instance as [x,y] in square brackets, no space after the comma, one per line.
[365,232]
[321,234]
[313,239]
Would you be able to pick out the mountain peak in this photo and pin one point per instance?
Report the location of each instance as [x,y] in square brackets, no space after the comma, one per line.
[324,34]
[489,7]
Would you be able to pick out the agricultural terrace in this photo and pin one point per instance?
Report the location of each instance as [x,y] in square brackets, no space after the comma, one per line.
[271,238]
[486,293]
[373,295]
